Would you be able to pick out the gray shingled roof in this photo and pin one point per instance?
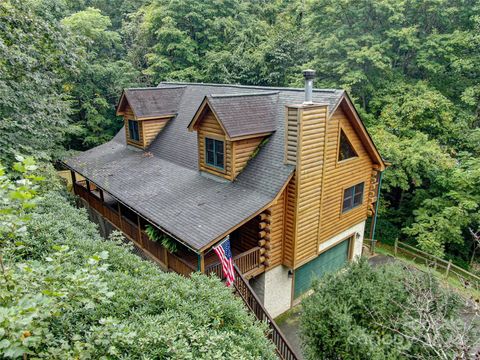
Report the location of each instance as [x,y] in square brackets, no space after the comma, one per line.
[168,189]
[245,114]
[150,102]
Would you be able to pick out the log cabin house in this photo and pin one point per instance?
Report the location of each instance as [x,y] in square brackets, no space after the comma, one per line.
[291,175]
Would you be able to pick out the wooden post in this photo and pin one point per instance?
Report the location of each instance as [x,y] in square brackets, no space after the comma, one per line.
[201,263]
[140,240]
[101,195]
[165,253]
[120,215]
[74,180]
[395,248]
[448,268]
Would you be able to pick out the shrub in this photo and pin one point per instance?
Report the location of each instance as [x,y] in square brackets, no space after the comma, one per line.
[387,312]
[68,293]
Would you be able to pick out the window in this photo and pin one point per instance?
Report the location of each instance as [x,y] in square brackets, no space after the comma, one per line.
[352,197]
[214,153]
[133,130]
[346,150]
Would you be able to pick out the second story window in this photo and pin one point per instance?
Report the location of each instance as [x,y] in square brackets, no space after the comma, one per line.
[214,153]
[133,130]
[352,197]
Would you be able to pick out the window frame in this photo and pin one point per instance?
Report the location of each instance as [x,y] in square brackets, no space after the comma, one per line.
[137,125]
[354,194]
[216,142]
[338,161]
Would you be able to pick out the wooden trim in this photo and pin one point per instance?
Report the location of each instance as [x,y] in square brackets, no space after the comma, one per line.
[285,135]
[246,219]
[120,103]
[165,117]
[196,116]
[251,136]
[343,195]
[199,113]
[351,113]
[297,185]
[337,152]
[322,190]
[212,167]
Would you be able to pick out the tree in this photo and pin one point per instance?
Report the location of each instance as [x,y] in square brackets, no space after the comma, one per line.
[99,79]
[387,312]
[34,112]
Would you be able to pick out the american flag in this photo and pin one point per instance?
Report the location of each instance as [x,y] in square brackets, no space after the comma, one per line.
[225,254]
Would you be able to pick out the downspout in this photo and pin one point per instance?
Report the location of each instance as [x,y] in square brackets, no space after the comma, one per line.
[376,212]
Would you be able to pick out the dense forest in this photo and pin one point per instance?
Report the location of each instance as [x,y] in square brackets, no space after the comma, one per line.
[412,68]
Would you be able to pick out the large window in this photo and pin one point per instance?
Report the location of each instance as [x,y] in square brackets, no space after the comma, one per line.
[214,153]
[346,150]
[133,130]
[352,197]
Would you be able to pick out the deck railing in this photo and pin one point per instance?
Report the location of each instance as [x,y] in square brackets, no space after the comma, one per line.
[246,261]
[130,229]
[243,289]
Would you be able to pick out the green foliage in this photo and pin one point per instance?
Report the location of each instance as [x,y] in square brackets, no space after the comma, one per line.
[16,198]
[379,313]
[100,76]
[166,241]
[68,293]
[34,56]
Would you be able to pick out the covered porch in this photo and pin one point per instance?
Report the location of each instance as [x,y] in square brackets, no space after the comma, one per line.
[249,242]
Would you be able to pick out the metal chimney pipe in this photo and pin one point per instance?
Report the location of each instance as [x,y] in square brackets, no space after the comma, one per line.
[309,75]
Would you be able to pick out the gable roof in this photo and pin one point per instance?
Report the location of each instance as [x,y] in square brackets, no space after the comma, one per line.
[151,102]
[166,186]
[346,104]
[241,115]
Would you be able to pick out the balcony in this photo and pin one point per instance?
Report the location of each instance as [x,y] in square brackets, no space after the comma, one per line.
[184,261]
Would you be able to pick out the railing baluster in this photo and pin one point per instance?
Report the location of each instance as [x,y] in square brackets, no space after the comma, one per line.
[244,290]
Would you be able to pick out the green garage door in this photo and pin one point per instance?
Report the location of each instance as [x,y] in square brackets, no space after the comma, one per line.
[329,261]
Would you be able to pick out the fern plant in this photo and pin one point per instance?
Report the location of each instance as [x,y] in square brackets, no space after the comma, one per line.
[166,241]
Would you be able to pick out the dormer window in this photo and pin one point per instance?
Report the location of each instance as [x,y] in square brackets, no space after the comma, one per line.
[133,130]
[214,150]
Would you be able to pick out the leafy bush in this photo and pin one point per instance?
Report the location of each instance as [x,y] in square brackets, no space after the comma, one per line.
[68,293]
[388,312]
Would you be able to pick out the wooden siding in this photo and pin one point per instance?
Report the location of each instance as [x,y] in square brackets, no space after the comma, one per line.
[290,223]
[242,152]
[210,127]
[276,230]
[140,133]
[341,175]
[310,159]
[151,128]
[291,134]
[246,236]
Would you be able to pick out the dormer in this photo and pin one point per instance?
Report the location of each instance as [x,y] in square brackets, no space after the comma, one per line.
[146,111]
[230,129]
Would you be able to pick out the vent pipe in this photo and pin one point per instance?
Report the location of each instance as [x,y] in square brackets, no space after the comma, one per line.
[309,75]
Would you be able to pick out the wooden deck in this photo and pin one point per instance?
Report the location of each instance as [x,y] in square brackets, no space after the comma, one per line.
[184,261]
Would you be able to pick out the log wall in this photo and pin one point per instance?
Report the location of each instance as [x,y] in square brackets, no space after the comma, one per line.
[340,175]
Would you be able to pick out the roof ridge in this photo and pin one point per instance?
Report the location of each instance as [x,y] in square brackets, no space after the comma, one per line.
[249,86]
[244,94]
[158,88]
